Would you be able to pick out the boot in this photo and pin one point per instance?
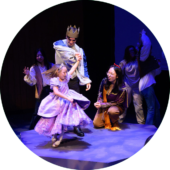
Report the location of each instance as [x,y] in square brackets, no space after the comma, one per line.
[115,126]
[107,121]
[78,131]
[115,122]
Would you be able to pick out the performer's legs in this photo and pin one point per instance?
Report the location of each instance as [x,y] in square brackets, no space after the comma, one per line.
[54,138]
[114,112]
[157,118]
[35,117]
[122,116]
[129,94]
[137,101]
[98,121]
[150,98]
[57,142]
[74,85]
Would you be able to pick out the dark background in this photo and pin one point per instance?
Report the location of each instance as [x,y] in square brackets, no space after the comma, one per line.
[17,96]
[96,38]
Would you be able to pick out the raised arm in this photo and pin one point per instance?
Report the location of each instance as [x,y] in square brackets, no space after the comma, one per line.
[146,46]
[72,70]
[122,65]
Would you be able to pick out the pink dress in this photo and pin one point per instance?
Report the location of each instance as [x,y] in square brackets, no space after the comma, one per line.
[56,111]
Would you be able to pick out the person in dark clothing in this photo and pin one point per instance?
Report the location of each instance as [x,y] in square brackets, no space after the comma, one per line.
[34,76]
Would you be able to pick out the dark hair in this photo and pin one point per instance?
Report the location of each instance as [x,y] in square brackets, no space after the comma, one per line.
[71,37]
[127,56]
[46,62]
[119,80]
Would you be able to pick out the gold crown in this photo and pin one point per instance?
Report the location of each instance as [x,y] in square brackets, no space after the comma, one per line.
[72,32]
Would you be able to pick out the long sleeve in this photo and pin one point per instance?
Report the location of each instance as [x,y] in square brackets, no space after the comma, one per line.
[145,50]
[119,101]
[100,91]
[122,66]
[107,104]
[121,98]
[30,80]
[58,59]
[85,65]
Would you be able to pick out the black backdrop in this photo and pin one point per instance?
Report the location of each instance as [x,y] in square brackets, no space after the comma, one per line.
[96,22]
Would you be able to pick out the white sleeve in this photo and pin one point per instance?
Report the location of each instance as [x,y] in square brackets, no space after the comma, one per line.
[122,66]
[145,50]
[58,59]
[30,80]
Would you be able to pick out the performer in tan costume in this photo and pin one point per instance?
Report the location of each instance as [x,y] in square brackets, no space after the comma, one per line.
[111,100]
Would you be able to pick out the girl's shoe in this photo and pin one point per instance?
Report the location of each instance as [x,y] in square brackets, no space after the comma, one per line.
[54,138]
[57,143]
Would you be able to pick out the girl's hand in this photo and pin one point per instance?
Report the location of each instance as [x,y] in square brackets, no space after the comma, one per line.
[70,99]
[97,105]
[26,71]
[78,56]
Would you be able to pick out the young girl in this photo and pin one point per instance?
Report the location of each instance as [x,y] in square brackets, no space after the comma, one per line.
[63,107]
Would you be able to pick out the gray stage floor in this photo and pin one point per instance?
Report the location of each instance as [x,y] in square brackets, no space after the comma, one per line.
[98,148]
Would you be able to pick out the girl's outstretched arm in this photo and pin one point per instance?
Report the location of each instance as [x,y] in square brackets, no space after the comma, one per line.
[58,93]
[79,57]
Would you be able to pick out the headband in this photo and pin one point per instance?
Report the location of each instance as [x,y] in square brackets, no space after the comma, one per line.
[116,65]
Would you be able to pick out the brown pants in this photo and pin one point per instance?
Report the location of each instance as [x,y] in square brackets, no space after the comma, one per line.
[113,111]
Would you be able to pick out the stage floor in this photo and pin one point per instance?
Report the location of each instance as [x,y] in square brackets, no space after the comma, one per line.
[97,149]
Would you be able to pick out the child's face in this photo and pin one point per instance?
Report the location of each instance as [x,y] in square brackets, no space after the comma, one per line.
[62,74]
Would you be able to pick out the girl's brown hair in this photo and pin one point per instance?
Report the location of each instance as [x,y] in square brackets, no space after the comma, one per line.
[54,70]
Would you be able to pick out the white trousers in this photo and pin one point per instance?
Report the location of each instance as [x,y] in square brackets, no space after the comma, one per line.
[137,101]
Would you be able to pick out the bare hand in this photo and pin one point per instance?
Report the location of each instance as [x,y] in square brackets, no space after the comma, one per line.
[97,105]
[88,86]
[78,56]
[26,71]
[143,32]
[70,99]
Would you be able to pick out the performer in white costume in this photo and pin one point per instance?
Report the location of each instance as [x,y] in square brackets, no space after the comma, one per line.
[34,76]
